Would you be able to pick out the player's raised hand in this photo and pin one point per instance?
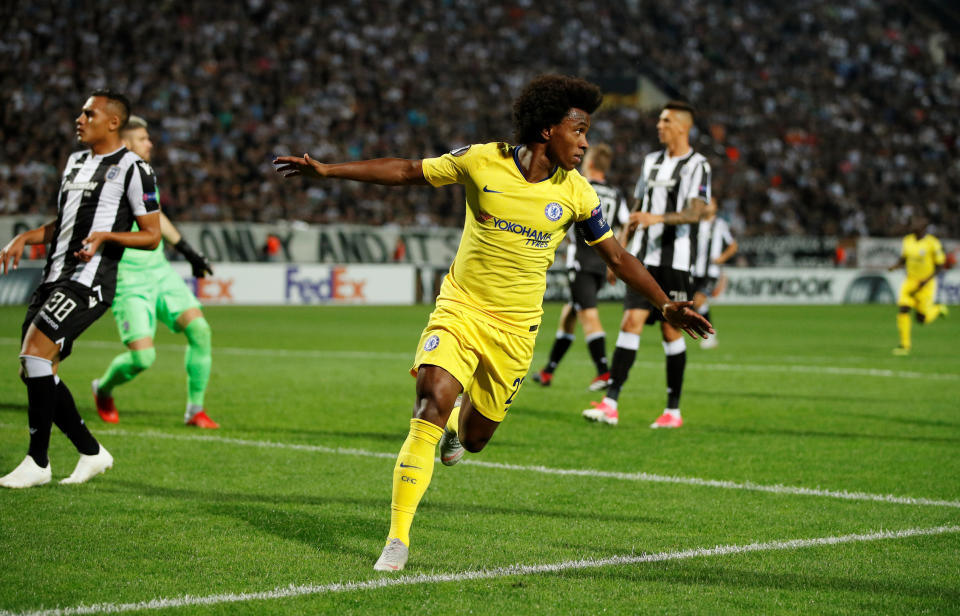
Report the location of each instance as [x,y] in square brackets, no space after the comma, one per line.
[90,246]
[11,253]
[292,166]
[642,219]
[681,316]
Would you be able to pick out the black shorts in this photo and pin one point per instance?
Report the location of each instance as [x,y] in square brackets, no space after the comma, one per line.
[675,283]
[584,287]
[62,311]
[704,284]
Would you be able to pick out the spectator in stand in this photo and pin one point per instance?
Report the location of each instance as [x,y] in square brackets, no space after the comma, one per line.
[843,109]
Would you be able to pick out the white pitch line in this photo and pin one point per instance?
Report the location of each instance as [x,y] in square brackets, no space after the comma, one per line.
[720,367]
[546,470]
[516,570]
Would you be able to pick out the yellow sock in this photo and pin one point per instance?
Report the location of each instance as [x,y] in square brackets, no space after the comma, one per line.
[931,315]
[453,423]
[411,476]
[903,325]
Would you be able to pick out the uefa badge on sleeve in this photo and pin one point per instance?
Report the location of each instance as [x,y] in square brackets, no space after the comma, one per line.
[431,343]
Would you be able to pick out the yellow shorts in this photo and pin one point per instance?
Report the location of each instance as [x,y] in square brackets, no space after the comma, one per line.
[488,362]
[922,300]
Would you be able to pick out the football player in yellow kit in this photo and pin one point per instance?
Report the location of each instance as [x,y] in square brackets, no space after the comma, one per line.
[478,343]
[923,257]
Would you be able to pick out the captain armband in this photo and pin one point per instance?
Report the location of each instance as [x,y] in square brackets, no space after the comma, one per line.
[595,227]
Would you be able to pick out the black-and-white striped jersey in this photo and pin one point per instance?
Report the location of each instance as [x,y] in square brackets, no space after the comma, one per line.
[98,193]
[666,185]
[584,258]
[713,237]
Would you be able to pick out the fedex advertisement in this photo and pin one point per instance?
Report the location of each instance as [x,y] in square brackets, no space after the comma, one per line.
[298,284]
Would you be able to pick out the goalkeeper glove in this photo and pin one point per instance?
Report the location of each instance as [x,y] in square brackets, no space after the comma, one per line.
[198,262]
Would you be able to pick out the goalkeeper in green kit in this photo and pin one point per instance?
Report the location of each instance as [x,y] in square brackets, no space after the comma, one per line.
[148,290]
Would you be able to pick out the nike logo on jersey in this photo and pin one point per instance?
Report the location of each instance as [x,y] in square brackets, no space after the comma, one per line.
[93,302]
[402,465]
[33,430]
[488,190]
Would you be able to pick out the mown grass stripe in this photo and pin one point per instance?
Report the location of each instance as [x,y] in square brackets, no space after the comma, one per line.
[546,470]
[515,570]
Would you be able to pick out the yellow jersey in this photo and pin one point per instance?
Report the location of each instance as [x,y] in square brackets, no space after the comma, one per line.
[511,232]
[922,256]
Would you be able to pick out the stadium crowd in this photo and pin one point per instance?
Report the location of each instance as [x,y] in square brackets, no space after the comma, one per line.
[819,119]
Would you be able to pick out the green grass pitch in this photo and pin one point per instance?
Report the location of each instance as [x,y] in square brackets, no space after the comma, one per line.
[291,496]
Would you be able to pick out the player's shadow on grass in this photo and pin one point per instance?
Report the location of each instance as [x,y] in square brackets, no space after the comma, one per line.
[727,578]
[277,514]
[13,407]
[267,513]
[331,534]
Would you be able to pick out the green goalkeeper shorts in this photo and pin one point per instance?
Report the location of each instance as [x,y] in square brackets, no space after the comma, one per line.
[145,297]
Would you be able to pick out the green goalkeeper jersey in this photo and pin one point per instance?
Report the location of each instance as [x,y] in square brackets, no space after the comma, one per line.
[137,260]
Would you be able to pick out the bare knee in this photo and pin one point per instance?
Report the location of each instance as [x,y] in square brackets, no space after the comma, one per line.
[633,321]
[474,443]
[590,320]
[437,392]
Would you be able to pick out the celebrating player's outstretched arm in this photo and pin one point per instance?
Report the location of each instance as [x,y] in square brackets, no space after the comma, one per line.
[386,171]
[629,269]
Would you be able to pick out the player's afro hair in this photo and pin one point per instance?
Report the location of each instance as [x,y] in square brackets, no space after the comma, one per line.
[546,100]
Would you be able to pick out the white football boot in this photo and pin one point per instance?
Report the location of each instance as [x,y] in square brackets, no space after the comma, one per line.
[394,556]
[27,474]
[90,466]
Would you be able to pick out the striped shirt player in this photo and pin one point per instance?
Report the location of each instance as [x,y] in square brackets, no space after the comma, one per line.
[104,189]
[97,193]
[668,184]
[713,239]
[715,246]
[673,191]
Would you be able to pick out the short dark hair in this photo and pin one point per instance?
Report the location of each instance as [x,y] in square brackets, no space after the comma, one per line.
[546,100]
[119,100]
[681,106]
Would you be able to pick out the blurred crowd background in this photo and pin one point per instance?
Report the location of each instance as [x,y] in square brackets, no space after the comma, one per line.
[818,119]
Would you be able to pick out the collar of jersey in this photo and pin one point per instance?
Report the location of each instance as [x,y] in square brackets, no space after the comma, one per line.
[516,160]
[666,155]
[107,154]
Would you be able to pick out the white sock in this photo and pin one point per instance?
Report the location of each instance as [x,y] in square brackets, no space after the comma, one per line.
[610,402]
[192,409]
